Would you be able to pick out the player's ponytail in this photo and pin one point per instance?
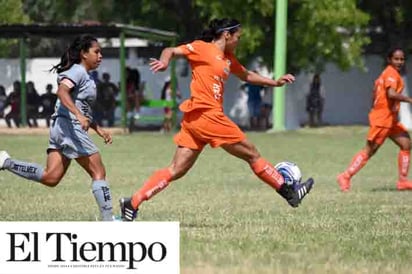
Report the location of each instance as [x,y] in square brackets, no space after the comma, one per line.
[72,54]
[217,27]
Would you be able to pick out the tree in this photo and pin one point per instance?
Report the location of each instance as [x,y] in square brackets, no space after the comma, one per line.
[319,31]
[390,24]
[326,31]
[11,13]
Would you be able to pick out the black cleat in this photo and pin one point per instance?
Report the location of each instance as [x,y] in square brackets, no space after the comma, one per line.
[127,211]
[295,194]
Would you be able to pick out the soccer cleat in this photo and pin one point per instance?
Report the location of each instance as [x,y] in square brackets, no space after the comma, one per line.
[3,157]
[295,194]
[343,181]
[127,211]
[404,185]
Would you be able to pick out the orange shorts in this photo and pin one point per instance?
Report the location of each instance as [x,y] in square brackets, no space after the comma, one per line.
[378,134]
[202,127]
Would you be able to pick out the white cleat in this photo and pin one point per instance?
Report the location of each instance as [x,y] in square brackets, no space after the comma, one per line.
[3,157]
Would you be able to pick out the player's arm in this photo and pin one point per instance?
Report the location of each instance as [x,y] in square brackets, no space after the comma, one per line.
[254,78]
[63,93]
[162,63]
[392,94]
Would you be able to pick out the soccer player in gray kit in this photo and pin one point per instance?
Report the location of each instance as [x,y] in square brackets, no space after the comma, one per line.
[71,120]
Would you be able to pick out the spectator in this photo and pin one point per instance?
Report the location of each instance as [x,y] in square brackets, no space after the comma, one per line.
[315,101]
[166,94]
[134,95]
[13,100]
[95,76]
[47,102]
[3,100]
[32,103]
[106,100]
[266,109]
[239,111]
[254,102]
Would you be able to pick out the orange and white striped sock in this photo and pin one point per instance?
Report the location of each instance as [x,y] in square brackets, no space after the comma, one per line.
[404,159]
[358,161]
[267,173]
[157,182]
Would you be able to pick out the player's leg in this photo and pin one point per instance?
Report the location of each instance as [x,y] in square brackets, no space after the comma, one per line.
[56,167]
[376,137]
[183,160]
[101,191]
[401,138]
[188,149]
[8,119]
[16,119]
[263,169]
[167,122]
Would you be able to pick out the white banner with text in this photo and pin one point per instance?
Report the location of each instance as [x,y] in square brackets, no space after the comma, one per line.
[89,247]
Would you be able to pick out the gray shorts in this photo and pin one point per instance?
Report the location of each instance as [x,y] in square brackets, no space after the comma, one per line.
[69,138]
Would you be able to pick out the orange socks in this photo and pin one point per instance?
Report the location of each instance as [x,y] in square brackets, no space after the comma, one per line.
[358,161]
[404,158]
[156,183]
[267,173]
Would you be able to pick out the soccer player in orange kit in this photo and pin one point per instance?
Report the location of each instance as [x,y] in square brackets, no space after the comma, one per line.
[383,120]
[204,122]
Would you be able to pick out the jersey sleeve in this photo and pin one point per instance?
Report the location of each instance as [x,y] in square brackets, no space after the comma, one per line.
[235,66]
[390,81]
[192,50]
[73,74]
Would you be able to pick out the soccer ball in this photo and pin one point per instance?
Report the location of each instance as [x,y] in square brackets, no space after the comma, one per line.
[290,172]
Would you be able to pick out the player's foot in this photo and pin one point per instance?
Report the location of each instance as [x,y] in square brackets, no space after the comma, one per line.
[295,194]
[343,181]
[127,210]
[404,185]
[3,157]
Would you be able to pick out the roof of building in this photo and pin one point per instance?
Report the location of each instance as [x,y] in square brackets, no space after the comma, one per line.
[95,28]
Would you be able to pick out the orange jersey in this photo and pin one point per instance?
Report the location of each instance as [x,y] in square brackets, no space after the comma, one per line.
[210,69]
[384,112]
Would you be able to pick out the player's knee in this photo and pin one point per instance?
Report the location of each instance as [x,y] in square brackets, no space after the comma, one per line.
[51,181]
[178,172]
[253,155]
[98,173]
[406,146]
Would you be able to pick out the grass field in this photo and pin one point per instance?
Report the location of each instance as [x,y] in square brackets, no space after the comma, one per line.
[230,221]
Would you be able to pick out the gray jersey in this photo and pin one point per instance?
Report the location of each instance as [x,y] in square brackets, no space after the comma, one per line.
[83,93]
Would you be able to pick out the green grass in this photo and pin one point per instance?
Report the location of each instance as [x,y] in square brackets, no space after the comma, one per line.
[231,222]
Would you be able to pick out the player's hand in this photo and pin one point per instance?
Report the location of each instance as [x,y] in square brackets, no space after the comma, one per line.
[157,65]
[286,79]
[84,122]
[107,137]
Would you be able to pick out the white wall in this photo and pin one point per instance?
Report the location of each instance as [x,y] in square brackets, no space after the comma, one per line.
[348,94]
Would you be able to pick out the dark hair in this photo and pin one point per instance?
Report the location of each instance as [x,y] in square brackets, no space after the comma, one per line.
[72,54]
[392,50]
[166,85]
[217,27]
[315,85]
